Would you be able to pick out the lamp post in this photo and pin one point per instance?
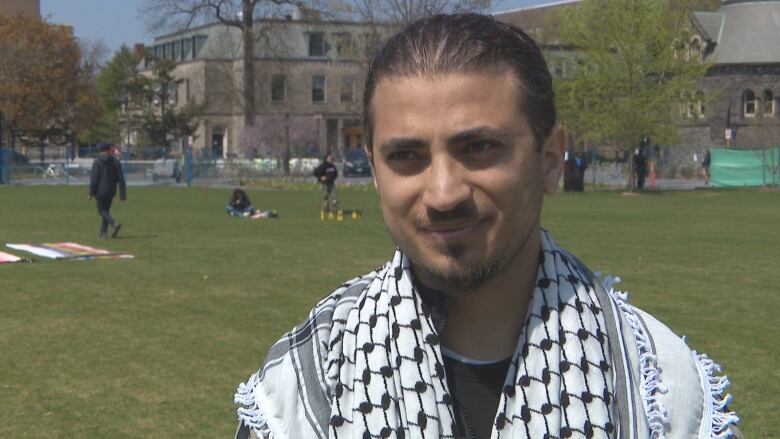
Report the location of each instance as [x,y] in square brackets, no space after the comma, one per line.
[287,144]
[4,156]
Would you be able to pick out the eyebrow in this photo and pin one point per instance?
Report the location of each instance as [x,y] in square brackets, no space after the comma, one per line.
[465,136]
[478,133]
[402,143]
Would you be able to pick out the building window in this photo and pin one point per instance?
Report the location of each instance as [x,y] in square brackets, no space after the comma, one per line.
[686,107]
[316,44]
[749,103]
[186,48]
[277,88]
[318,89]
[699,103]
[373,44]
[347,90]
[695,50]
[678,48]
[198,42]
[343,43]
[176,50]
[173,93]
[769,103]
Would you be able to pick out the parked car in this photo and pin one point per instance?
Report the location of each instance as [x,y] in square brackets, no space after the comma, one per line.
[356,163]
[19,158]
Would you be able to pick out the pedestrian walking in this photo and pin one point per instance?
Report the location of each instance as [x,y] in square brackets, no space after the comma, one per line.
[105,177]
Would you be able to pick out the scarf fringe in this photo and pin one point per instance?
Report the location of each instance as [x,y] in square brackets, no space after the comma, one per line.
[657,416]
[250,412]
[718,403]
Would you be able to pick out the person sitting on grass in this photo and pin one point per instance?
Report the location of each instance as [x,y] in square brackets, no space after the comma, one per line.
[240,206]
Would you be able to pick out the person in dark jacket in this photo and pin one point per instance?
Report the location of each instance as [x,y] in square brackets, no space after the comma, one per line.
[640,167]
[106,175]
[240,206]
[705,167]
[326,174]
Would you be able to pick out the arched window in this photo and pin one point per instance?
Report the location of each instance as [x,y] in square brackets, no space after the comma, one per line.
[769,103]
[685,105]
[699,103]
[695,49]
[678,47]
[749,103]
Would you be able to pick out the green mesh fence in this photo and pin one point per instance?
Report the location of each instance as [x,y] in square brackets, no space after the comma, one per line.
[739,167]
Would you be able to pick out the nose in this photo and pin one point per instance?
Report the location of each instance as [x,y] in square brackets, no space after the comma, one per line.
[446,186]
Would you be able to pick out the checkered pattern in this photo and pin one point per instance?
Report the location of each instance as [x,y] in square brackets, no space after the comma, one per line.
[388,374]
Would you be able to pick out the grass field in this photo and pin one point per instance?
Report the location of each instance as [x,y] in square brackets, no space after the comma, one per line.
[154,347]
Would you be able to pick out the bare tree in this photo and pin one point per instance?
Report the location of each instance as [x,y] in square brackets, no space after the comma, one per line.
[182,14]
[407,11]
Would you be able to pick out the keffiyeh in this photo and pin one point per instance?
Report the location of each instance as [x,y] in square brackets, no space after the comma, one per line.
[375,367]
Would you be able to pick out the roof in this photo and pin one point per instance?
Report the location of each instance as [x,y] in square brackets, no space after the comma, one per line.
[748,32]
[535,19]
[539,6]
[711,23]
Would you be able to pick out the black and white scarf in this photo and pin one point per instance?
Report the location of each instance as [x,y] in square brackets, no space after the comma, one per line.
[368,363]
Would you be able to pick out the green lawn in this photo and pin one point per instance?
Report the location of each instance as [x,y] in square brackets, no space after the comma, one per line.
[154,347]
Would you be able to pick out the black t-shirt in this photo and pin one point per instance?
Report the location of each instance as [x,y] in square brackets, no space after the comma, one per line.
[476,390]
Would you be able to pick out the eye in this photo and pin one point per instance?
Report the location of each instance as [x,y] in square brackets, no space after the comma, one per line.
[479,147]
[403,156]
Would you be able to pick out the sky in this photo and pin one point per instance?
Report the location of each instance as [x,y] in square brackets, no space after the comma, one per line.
[116,22]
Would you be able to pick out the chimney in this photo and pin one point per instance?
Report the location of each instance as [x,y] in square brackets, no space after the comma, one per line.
[139,51]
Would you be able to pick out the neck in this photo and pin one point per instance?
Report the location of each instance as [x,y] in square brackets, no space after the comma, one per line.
[486,323]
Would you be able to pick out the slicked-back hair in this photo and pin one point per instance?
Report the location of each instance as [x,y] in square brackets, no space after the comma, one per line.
[466,43]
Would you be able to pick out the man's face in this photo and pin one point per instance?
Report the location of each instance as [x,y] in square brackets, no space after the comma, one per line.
[459,176]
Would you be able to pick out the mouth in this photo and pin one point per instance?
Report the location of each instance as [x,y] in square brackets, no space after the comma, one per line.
[450,233]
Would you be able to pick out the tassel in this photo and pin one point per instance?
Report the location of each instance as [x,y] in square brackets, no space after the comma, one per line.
[657,416]
[715,386]
[251,414]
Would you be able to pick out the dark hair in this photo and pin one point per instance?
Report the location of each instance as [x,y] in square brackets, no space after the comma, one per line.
[239,192]
[466,43]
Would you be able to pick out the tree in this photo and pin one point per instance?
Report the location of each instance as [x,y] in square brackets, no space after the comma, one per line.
[111,82]
[155,98]
[46,89]
[626,75]
[407,11]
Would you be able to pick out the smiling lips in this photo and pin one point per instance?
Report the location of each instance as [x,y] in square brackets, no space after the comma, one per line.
[450,233]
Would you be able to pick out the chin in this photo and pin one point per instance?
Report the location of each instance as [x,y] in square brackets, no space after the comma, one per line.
[457,272]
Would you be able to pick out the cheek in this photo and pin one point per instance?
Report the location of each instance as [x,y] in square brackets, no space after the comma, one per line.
[397,196]
[515,194]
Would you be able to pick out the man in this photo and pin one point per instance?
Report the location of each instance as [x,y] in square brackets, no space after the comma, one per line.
[480,325]
[705,167]
[106,175]
[640,167]
[326,174]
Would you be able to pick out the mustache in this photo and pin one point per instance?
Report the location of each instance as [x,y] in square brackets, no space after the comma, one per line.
[461,212]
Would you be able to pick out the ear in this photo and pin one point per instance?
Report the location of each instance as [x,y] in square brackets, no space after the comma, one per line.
[552,159]
[370,155]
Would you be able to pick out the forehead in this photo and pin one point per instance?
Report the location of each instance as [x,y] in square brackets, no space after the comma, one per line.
[451,100]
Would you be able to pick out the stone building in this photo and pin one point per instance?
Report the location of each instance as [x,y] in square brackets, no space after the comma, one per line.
[739,92]
[308,77]
[739,95]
